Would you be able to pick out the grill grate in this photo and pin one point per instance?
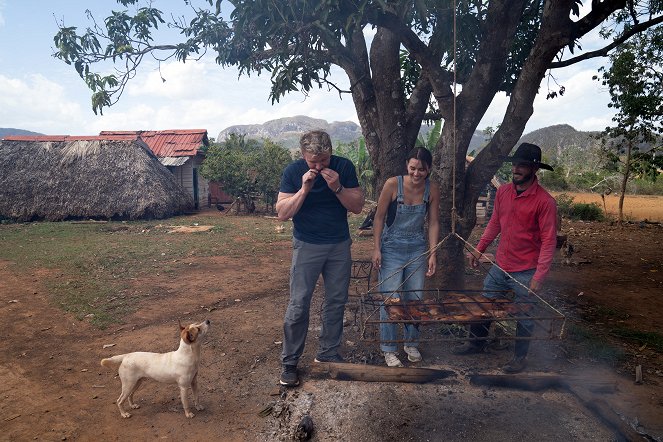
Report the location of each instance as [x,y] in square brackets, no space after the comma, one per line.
[458,315]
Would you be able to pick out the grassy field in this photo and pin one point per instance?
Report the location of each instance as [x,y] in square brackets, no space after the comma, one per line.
[636,207]
[92,265]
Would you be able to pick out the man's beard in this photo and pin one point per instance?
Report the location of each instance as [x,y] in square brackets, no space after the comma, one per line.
[524,179]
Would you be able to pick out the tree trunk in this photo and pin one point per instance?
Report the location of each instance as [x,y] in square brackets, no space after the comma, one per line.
[389,129]
[389,121]
[471,104]
[249,205]
[625,176]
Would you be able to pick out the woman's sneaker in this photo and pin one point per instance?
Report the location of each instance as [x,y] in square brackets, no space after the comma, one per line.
[413,354]
[391,359]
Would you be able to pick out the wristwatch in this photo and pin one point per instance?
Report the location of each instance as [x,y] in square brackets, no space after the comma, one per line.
[340,187]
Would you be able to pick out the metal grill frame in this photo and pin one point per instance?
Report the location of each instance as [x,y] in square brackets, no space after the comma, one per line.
[547,323]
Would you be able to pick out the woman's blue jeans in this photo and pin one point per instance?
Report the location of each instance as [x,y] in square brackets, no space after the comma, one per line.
[395,276]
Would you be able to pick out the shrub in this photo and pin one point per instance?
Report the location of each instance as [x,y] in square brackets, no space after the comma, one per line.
[582,211]
[564,204]
[646,187]
[586,212]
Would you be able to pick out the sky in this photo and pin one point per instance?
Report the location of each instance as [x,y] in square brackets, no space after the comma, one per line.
[42,94]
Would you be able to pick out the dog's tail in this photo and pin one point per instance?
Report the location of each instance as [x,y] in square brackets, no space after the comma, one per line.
[113,361]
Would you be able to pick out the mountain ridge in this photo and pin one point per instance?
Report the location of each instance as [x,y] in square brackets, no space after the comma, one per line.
[554,140]
[7,131]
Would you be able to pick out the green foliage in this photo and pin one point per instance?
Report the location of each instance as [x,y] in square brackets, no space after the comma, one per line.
[295,41]
[647,165]
[585,181]
[582,211]
[522,44]
[564,204]
[651,339]
[358,154]
[586,212]
[429,141]
[646,187]
[273,158]
[504,172]
[246,168]
[634,81]
[554,179]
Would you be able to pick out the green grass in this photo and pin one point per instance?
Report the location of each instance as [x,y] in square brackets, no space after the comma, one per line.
[91,265]
[587,343]
[651,339]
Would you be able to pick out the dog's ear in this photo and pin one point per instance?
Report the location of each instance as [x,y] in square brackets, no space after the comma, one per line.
[180,324]
[190,335]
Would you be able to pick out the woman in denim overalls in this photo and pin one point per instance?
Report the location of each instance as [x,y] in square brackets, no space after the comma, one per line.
[401,243]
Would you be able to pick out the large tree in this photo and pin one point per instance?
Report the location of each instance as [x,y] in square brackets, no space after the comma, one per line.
[427,59]
[634,80]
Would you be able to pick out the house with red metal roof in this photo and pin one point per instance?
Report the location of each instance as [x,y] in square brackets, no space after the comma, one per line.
[181,151]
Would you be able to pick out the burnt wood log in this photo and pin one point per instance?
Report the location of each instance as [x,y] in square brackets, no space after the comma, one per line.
[607,414]
[521,382]
[583,389]
[541,382]
[375,373]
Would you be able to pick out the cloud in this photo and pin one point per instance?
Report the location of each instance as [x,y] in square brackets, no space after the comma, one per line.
[584,104]
[36,103]
[182,80]
[202,94]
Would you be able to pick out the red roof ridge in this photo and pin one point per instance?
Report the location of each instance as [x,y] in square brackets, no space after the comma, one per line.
[169,142]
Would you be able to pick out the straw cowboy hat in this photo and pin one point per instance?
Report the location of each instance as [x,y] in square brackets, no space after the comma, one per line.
[528,153]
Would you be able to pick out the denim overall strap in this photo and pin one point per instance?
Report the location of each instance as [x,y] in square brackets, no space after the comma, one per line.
[409,221]
[399,194]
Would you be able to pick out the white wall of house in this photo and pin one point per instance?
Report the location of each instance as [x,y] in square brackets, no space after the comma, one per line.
[184,176]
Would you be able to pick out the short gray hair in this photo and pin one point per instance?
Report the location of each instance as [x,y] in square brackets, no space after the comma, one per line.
[315,142]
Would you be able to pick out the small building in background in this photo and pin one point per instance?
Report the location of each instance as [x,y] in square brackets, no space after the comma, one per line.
[63,177]
[182,151]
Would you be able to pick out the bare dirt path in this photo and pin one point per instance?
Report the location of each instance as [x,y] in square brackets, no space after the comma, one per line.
[53,388]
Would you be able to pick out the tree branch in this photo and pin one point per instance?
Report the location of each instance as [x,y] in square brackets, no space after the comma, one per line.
[640,27]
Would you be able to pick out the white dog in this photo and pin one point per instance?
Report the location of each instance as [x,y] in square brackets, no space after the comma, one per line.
[180,366]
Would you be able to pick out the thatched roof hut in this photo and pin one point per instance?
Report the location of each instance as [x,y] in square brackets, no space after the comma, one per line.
[64,177]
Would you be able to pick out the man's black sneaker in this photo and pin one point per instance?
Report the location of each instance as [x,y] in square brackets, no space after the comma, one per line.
[289,376]
[335,358]
[515,365]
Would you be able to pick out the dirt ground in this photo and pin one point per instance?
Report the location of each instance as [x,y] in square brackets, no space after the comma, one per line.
[53,388]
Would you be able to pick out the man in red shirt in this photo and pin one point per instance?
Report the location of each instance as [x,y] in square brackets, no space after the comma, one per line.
[525,216]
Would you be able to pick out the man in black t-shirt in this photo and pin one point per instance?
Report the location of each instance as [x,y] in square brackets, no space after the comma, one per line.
[316,192]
